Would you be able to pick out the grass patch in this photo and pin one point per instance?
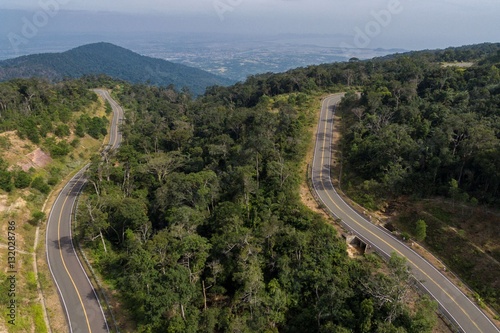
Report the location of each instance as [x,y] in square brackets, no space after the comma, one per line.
[439,213]
[458,239]
[31,282]
[38,319]
[457,64]
[364,193]
[365,200]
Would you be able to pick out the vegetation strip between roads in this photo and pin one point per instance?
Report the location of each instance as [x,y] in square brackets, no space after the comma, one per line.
[71,292]
[77,182]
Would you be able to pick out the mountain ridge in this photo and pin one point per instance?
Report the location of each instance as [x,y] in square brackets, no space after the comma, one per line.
[112,60]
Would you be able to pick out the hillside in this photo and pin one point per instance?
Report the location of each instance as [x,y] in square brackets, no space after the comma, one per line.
[46,132]
[466,53]
[112,60]
[422,143]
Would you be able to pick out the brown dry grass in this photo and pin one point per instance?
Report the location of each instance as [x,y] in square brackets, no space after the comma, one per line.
[457,64]
[465,237]
[18,149]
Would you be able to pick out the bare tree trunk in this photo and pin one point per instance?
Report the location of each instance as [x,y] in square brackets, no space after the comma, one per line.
[103,243]
[204,295]
[182,312]
[461,173]
[257,169]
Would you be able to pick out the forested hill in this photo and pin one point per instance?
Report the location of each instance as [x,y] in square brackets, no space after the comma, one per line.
[449,114]
[464,53]
[112,60]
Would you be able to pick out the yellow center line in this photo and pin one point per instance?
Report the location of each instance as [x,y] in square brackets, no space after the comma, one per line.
[62,258]
[59,232]
[115,106]
[375,235]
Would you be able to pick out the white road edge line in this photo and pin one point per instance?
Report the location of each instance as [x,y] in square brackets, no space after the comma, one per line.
[74,251]
[47,252]
[326,102]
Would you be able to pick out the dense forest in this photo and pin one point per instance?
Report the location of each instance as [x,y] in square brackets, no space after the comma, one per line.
[197,221]
[419,128]
[425,129]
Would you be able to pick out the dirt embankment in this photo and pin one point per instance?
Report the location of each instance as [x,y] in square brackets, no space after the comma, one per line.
[18,205]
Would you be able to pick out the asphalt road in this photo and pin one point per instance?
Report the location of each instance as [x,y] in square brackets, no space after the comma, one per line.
[115,136]
[452,302]
[78,297]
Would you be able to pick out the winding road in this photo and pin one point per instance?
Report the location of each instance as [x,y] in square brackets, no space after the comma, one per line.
[452,302]
[78,297]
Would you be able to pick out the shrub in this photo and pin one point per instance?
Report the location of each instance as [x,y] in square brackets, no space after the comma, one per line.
[22,179]
[40,185]
[75,143]
[420,230]
[62,130]
[5,142]
[59,149]
[6,180]
[37,217]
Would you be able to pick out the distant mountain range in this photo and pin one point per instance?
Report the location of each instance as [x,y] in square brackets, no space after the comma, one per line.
[112,60]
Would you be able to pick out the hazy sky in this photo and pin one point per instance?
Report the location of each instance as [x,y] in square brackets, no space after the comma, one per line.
[409,24]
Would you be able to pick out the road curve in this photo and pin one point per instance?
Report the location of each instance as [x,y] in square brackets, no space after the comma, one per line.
[115,136]
[452,302]
[78,297]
